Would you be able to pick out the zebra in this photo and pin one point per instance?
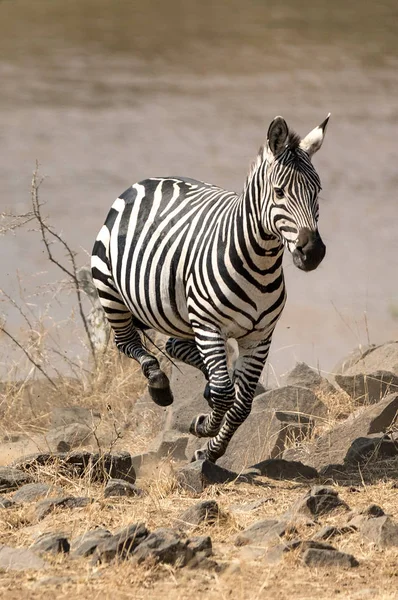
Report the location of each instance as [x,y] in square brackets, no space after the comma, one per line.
[202,264]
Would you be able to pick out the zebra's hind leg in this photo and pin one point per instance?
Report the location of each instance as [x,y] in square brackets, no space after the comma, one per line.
[187,351]
[129,342]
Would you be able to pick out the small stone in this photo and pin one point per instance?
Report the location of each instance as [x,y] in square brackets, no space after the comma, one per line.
[278,468]
[275,554]
[12,479]
[54,543]
[382,531]
[32,492]
[86,544]
[171,444]
[119,487]
[167,546]
[206,511]
[20,559]
[46,507]
[314,557]
[197,475]
[115,466]
[121,544]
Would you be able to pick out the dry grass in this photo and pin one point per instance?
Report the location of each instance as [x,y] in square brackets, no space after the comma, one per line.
[240,578]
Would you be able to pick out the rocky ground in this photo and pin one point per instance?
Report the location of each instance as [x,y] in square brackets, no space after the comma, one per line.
[304,503]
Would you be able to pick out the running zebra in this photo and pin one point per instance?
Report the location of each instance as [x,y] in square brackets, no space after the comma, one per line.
[202,264]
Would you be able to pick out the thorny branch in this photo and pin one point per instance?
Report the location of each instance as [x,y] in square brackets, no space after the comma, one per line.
[46,233]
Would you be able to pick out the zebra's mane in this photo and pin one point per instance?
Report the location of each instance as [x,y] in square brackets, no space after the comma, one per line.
[293,143]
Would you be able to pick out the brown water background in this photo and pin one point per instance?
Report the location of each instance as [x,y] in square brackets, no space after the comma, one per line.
[107,92]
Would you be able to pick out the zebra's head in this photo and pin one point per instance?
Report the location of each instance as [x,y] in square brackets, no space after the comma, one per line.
[292,187]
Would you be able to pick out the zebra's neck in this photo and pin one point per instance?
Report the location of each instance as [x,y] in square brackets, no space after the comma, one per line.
[252,209]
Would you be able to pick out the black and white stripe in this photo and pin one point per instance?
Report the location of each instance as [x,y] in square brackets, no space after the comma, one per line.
[202,264]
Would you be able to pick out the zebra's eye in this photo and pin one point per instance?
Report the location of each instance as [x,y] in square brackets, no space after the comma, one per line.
[279,193]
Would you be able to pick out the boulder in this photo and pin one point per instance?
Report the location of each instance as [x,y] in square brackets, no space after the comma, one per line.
[53,543]
[319,500]
[20,559]
[170,444]
[12,478]
[197,475]
[31,492]
[265,434]
[373,359]
[70,436]
[382,531]
[168,546]
[333,446]
[371,447]
[368,388]
[46,507]
[206,511]
[352,358]
[265,532]
[120,545]
[314,557]
[278,468]
[303,376]
[86,544]
[120,487]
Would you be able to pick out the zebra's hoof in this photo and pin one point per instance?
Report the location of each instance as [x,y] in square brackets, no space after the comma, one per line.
[200,455]
[207,396]
[197,426]
[159,388]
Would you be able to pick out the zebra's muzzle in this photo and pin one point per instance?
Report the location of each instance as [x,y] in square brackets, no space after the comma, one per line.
[309,251]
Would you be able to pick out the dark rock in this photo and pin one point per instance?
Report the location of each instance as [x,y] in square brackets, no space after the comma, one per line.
[6,503]
[115,466]
[382,531]
[197,475]
[373,510]
[20,559]
[119,487]
[54,543]
[12,479]
[31,492]
[69,436]
[276,553]
[303,376]
[278,468]
[99,467]
[371,447]
[167,546]
[320,500]
[62,416]
[87,543]
[314,557]
[206,511]
[46,507]
[368,388]
[264,532]
[330,531]
[121,544]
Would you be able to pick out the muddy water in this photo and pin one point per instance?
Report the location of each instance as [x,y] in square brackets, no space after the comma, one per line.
[106,93]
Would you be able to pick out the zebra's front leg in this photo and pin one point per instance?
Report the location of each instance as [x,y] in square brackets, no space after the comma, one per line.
[247,373]
[211,346]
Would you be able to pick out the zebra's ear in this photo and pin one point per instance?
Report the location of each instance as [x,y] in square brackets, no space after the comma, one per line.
[277,136]
[313,141]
